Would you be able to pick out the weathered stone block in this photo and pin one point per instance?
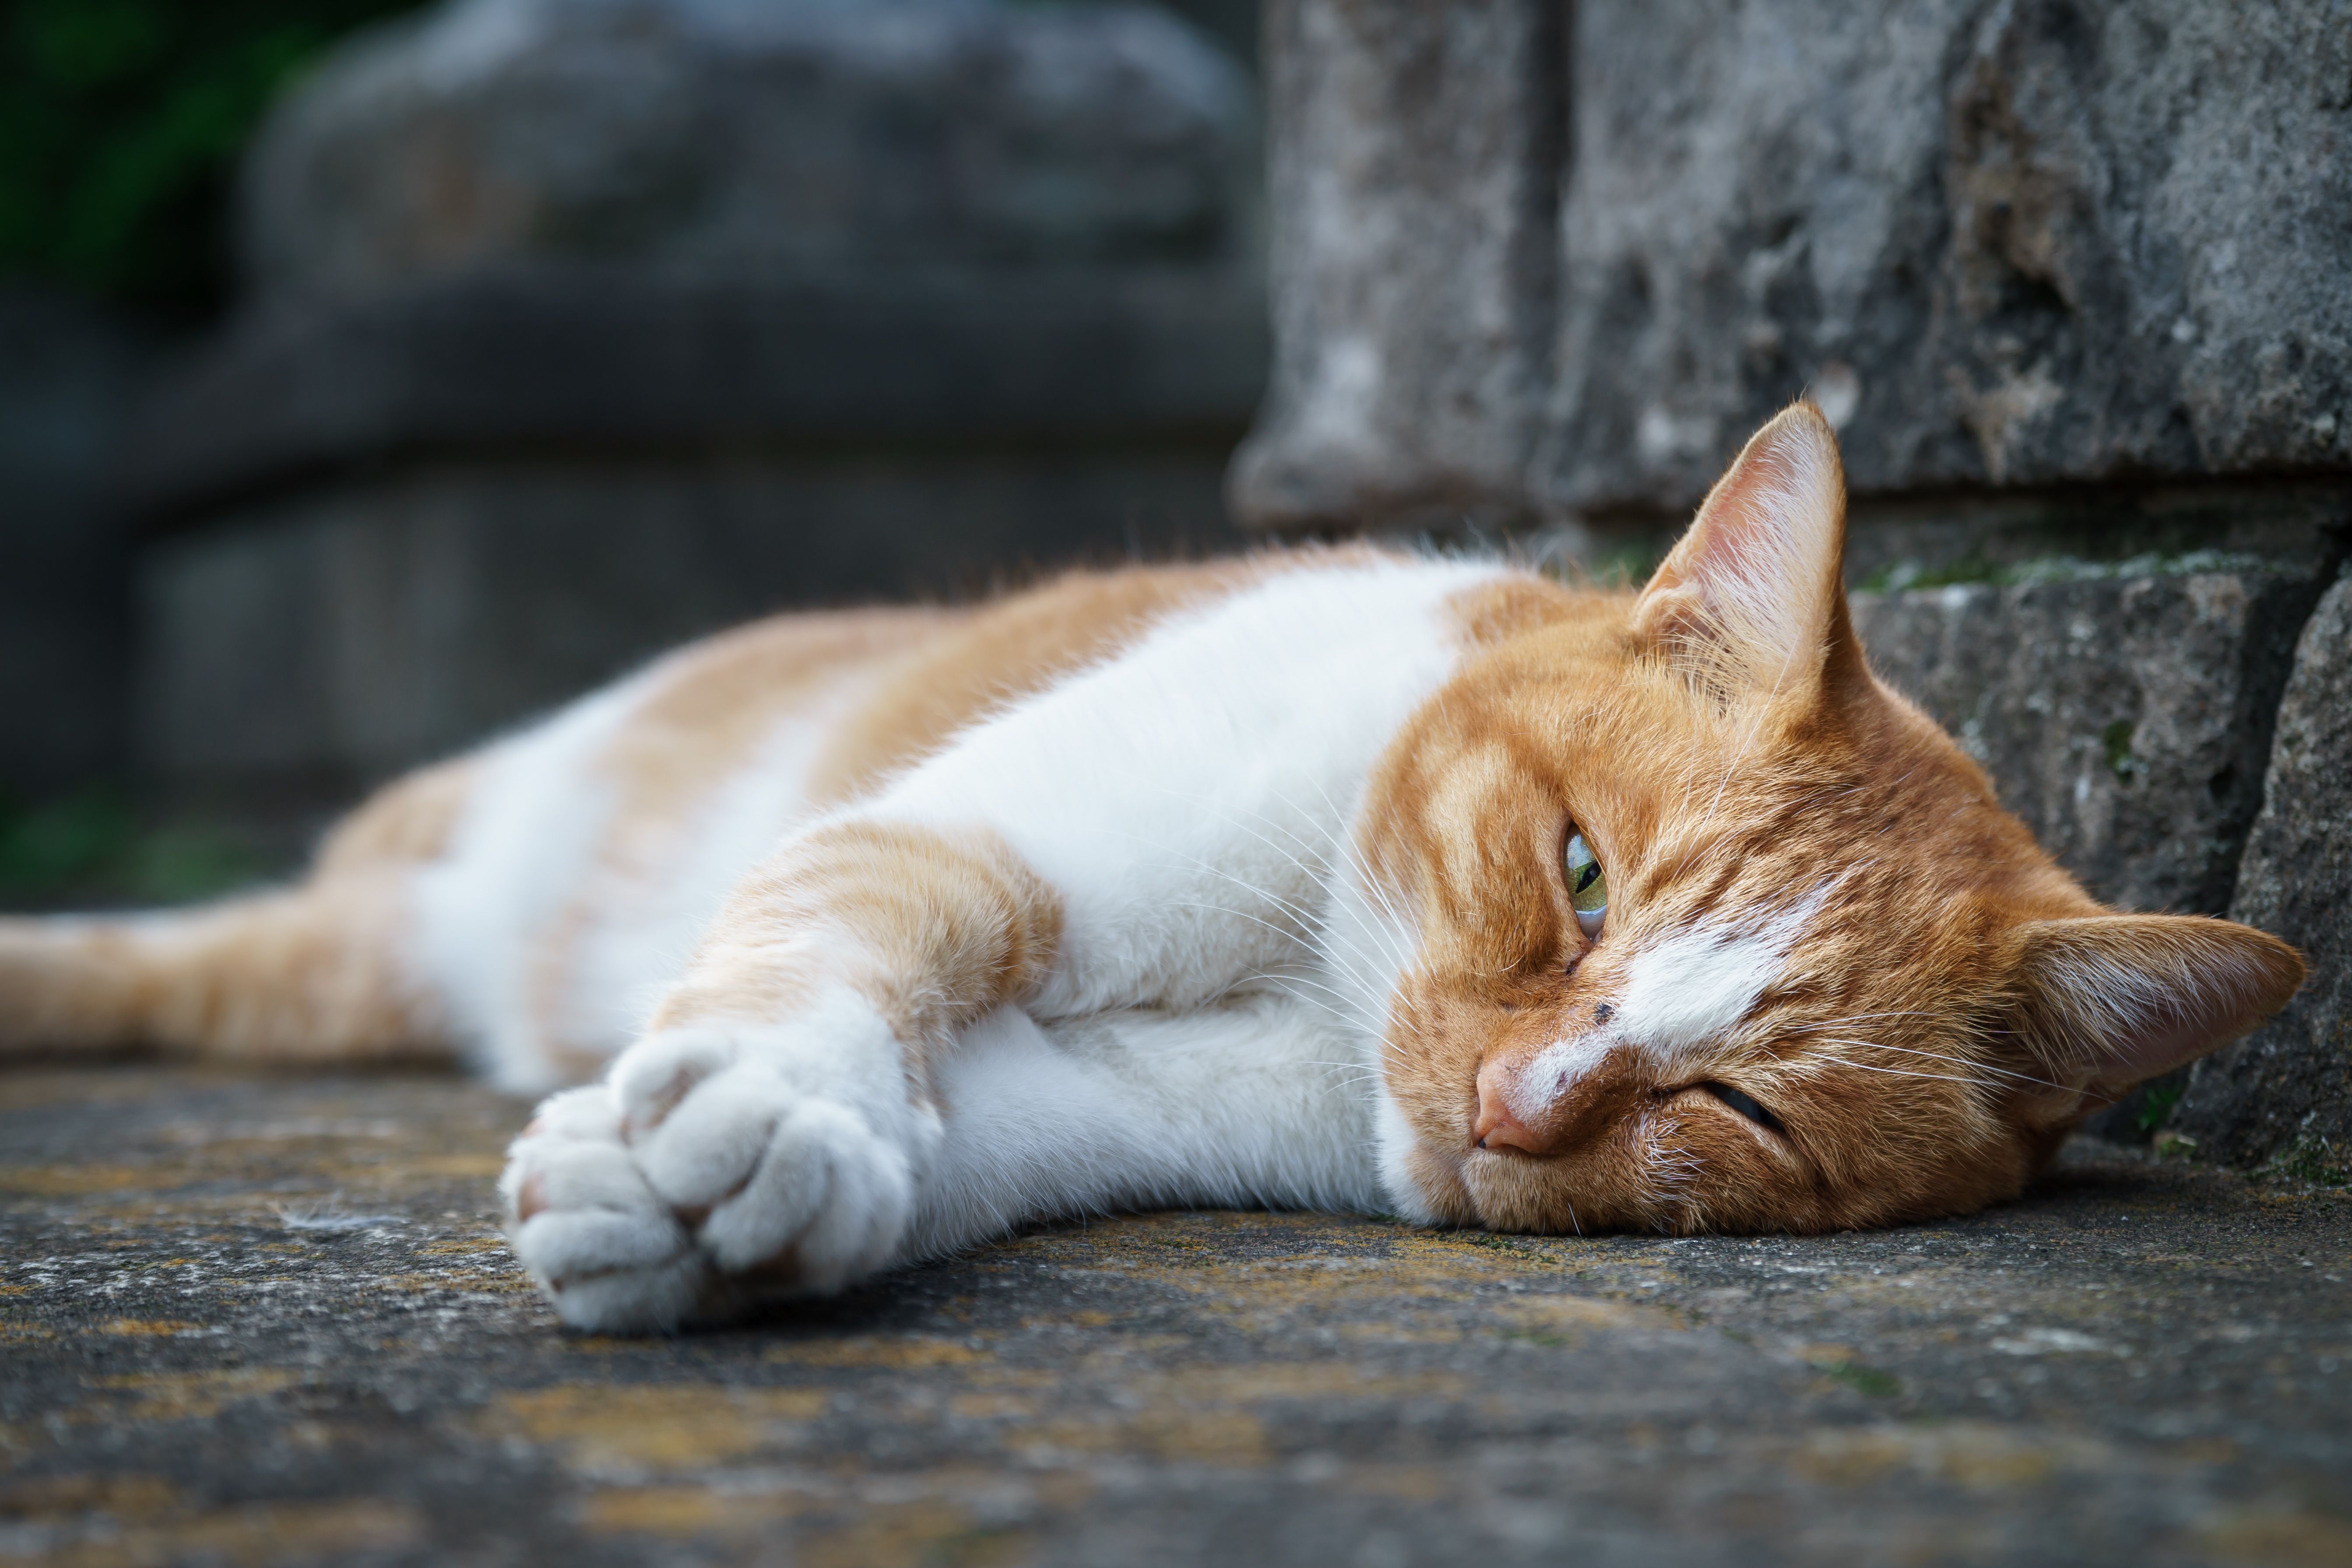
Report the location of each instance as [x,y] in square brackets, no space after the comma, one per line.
[611,360]
[2124,711]
[2045,239]
[2006,244]
[780,138]
[1412,178]
[583,327]
[333,636]
[2286,1092]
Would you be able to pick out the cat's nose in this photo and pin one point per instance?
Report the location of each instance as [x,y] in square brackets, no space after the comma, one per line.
[1497,1128]
[1549,1101]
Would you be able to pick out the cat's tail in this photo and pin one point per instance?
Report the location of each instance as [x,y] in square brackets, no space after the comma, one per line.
[314,974]
[317,974]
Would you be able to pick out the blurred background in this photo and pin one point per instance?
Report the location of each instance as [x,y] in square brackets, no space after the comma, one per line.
[374,374]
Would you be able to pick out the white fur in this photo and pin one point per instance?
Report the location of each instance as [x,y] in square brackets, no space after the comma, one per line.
[1554,1071]
[521,851]
[1187,800]
[1368,943]
[525,856]
[642,936]
[1397,1140]
[1210,1031]
[1688,990]
[1244,1103]
[1685,996]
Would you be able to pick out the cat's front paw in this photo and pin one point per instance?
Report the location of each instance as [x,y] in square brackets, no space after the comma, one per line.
[603,1245]
[777,1168]
[721,1165]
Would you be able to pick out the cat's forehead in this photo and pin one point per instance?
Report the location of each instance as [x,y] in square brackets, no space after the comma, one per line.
[1818,797]
[1773,903]
[1714,818]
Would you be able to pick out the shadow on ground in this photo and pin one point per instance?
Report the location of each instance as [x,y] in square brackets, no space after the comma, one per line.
[270,1322]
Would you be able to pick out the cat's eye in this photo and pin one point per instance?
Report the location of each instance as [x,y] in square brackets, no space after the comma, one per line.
[1746,1106]
[1588,885]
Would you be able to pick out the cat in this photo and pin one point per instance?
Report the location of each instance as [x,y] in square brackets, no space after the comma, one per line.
[1333,877]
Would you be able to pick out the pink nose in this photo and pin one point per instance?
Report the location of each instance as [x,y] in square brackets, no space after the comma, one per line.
[1497,1128]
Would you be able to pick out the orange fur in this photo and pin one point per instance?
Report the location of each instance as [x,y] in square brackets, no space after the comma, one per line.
[934,930]
[408,822]
[717,698]
[710,706]
[308,977]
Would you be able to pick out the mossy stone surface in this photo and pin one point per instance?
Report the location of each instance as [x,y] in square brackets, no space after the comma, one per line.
[2283,1095]
[253,1321]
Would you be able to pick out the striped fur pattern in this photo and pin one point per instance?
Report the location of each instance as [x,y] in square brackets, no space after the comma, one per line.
[867,936]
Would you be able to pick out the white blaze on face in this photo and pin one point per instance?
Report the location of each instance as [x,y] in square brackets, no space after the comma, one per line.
[1535,1087]
[1698,984]
[1680,994]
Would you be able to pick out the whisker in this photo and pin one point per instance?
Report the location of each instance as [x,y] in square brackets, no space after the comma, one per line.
[1864,1017]
[1345,970]
[1946,1057]
[1935,1076]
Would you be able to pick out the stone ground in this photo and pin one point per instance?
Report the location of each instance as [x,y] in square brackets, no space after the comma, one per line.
[249,1320]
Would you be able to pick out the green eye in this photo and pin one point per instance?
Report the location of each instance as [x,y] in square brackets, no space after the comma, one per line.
[1588,885]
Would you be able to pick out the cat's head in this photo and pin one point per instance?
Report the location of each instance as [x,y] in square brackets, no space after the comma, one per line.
[1686,923]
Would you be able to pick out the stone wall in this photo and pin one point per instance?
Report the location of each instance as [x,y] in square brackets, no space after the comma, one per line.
[2068,275]
[2285,1095]
[1536,260]
[576,327]
[67,374]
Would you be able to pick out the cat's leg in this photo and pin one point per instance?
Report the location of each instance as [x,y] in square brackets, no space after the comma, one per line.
[772,1130]
[1261,1100]
[315,976]
[1258,1101]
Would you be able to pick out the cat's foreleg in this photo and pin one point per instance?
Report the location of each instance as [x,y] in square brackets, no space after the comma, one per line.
[770,1130]
[1261,1100]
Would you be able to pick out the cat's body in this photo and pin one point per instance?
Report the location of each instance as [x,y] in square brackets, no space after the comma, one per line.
[1237,883]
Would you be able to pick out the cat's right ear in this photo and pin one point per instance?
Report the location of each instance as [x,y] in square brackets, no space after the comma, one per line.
[1754,592]
[2104,1002]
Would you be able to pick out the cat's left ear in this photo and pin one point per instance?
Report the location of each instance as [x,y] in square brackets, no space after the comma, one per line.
[2104,1002]
[1755,591]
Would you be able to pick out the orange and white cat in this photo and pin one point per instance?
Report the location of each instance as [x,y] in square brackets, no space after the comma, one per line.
[1336,878]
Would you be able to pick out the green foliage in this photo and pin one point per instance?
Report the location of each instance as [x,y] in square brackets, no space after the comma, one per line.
[1905,575]
[2310,1160]
[120,123]
[1864,1379]
[2156,1101]
[91,847]
[2116,741]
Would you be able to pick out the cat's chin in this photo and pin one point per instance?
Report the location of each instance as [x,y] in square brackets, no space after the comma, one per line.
[1439,1189]
[1424,1186]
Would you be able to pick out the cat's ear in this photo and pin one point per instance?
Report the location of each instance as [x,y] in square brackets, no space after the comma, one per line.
[2107,1001]
[1755,590]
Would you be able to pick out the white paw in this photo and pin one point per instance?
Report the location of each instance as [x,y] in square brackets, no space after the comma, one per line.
[608,1252]
[717,1166]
